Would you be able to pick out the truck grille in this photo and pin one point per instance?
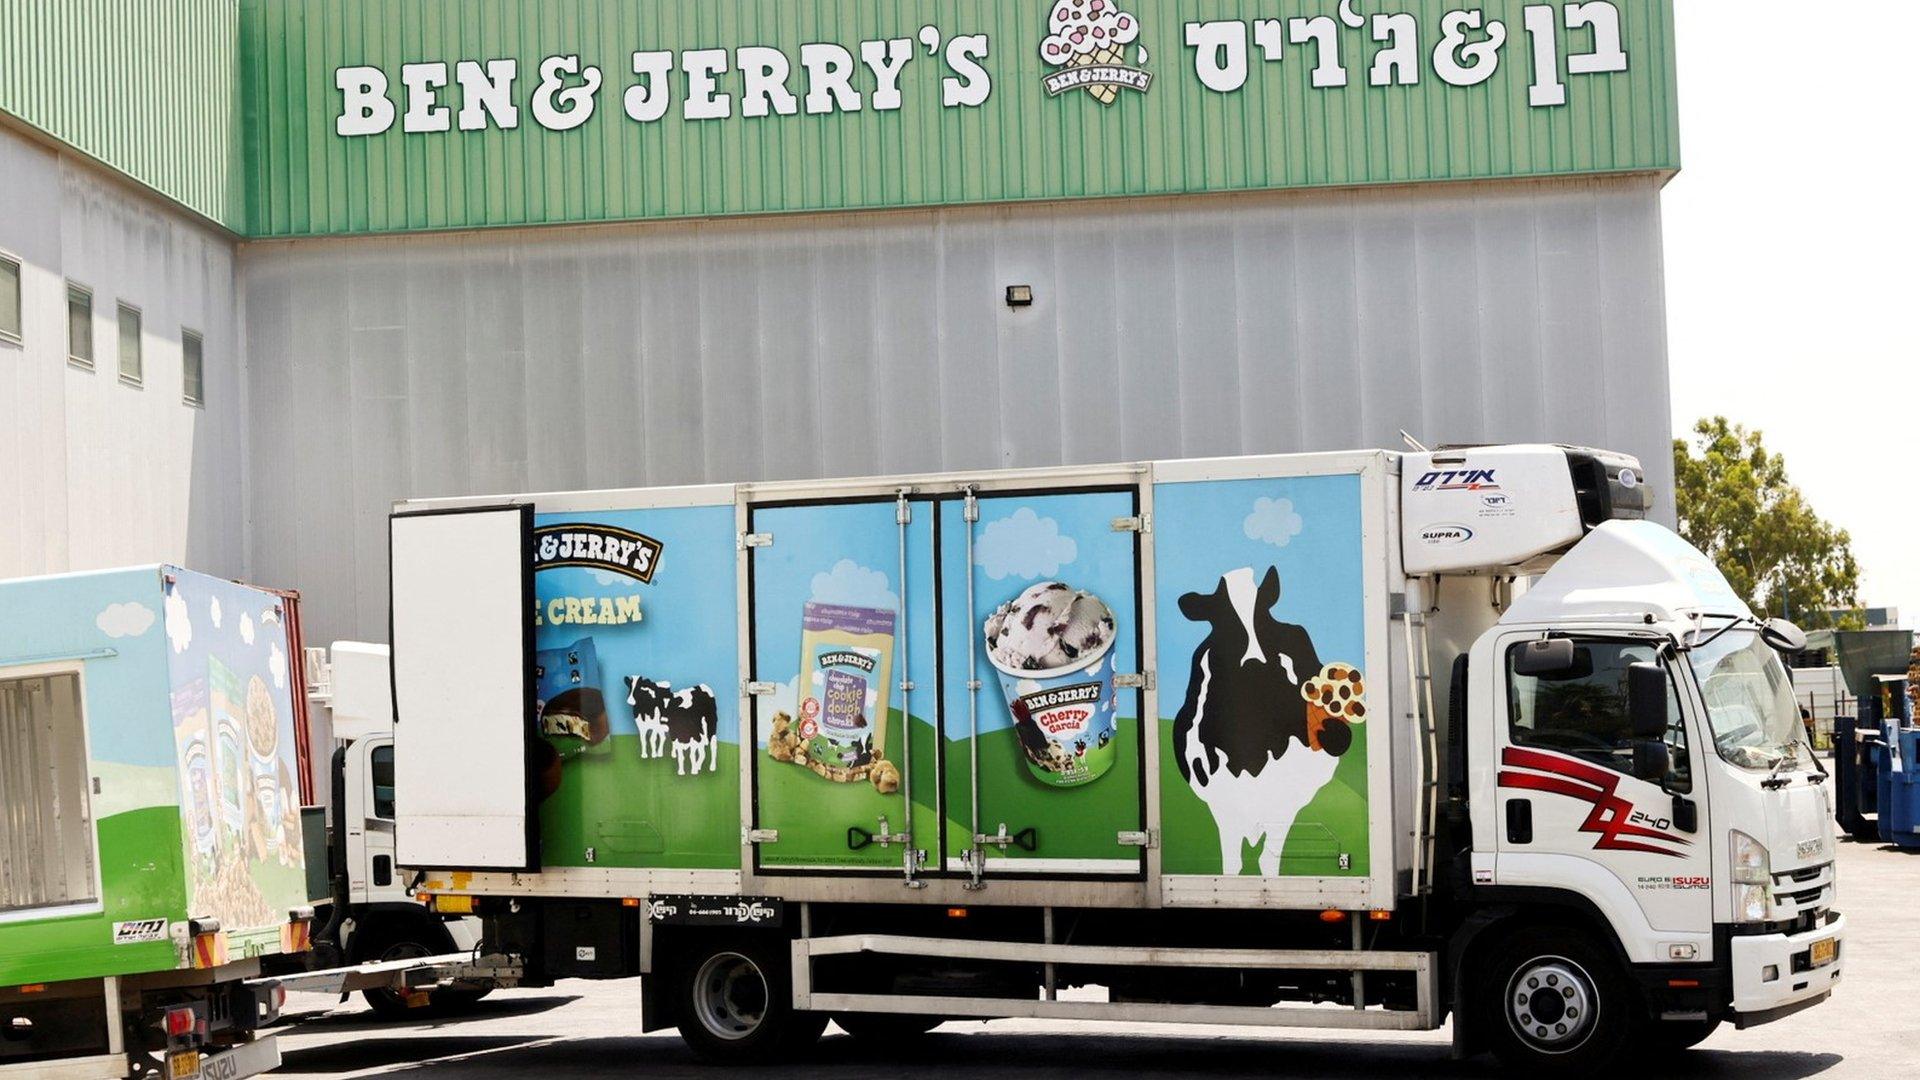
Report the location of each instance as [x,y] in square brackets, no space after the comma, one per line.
[1806,891]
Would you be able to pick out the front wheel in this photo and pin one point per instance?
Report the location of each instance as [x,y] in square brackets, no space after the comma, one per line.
[1550,999]
[733,1004]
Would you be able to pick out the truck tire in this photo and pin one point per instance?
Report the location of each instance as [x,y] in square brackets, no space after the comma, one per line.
[886,1029]
[733,1003]
[445,1001]
[1550,999]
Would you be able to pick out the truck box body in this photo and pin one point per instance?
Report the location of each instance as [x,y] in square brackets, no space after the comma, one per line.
[673,628]
[148,762]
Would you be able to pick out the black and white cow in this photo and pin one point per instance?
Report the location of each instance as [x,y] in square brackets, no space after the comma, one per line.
[1241,736]
[688,720]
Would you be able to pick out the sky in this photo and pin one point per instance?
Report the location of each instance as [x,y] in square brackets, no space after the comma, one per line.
[1793,257]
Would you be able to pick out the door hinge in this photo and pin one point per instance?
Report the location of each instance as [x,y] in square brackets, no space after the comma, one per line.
[1142,681]
[1141,524]
[759,836]
[1140,838]
[761,689]
[754,540]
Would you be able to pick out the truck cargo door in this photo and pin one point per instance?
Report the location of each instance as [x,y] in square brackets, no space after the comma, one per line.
[845,687]
[463,688]
[1040,634]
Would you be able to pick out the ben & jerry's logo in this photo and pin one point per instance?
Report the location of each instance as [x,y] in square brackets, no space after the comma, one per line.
[1087,41]
[597,547]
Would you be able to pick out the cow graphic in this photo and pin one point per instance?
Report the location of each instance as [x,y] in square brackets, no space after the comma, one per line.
[687,720]
[1243,738]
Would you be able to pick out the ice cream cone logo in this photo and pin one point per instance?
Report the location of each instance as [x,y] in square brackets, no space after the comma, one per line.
[1088,43]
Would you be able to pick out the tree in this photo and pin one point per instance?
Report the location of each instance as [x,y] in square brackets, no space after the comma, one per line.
[1737,505]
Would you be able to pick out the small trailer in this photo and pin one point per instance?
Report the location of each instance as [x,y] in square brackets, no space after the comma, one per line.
[151,745]
[1357,740]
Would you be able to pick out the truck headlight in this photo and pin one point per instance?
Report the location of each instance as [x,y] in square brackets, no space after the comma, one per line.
[1751,865]
[1752,878]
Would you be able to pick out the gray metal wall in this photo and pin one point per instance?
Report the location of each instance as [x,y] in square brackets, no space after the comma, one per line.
[94,472]
[855,344]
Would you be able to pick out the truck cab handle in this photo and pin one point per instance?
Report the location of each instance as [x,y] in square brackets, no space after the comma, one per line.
[1519,821]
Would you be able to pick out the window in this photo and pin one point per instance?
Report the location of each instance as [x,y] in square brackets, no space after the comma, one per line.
[130,366]
[381,766]
[192,368]
[1584,713]
[46,846]
[9,299]
[79,325]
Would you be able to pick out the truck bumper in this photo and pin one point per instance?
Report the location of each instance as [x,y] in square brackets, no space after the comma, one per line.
[233,1063]
[1774,974]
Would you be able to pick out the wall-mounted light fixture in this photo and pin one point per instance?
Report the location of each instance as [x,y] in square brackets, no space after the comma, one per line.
[1019,296]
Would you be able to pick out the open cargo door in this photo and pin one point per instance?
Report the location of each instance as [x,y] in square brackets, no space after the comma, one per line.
[463,689]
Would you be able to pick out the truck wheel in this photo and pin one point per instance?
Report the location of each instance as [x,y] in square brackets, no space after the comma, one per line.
[1550,999]
[886,1029]
[733,1004]
[446,1001]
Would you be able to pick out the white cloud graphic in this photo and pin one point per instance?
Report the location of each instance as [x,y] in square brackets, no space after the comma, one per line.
[1025,545]
[246,627]
[1273,521]
[124,620]
[213,611]
[609,578]
[853,585]
[277,663]
[179,625]
[270,617]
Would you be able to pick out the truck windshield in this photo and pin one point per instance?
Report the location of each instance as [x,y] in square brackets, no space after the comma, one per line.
[1750,703]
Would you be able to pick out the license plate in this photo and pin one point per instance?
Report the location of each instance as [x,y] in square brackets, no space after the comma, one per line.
[184,1065]
[1824,952]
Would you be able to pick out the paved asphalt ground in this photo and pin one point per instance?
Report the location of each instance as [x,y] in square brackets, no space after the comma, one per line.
[1869,1028]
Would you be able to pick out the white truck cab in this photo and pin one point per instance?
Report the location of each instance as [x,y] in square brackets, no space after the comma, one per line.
[1632,749]
[374,916]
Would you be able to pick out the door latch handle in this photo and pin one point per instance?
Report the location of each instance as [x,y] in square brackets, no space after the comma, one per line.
[1519,821]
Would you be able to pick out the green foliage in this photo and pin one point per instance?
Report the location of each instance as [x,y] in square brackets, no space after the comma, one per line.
[1737,505]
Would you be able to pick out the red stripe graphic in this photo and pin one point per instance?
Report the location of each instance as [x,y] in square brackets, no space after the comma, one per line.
[1609,817]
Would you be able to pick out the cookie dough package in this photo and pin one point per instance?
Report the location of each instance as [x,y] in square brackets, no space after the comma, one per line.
[846,658]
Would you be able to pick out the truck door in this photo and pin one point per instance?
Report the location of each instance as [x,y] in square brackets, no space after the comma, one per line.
[843,669]
[1572,814]
[1040,615]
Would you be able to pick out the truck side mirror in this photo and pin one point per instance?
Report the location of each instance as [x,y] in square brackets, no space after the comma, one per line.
[1545,659]
[1652,761]
[1647,701]
[1783,636]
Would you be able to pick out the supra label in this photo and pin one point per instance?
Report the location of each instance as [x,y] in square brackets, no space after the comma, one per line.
[138,931]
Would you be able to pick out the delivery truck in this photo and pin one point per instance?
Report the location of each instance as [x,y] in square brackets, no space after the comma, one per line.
[1354,740]
[152,737]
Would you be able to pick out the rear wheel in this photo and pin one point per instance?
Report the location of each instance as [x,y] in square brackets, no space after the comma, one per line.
[733,1004]
[1551,999]
[886,1029]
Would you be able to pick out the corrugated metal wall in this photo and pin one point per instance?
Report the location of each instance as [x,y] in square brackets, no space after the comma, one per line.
[1278,131]
[146,86]
[95,473]
[831,345]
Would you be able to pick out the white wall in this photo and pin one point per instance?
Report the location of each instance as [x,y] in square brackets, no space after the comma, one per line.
[854,344]
[93,472]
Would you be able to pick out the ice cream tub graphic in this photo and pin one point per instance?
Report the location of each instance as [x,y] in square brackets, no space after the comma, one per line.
[1052,648]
